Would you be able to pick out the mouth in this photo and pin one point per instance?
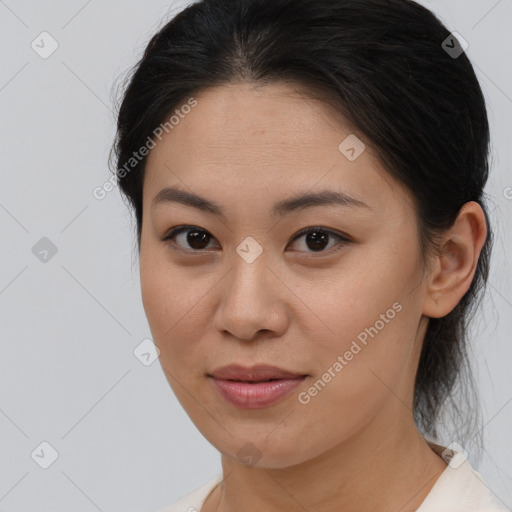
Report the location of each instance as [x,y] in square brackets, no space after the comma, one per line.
[258,381]
[258,373]
[256,387]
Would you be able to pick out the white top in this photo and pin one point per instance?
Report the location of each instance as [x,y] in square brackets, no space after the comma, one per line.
[459,488]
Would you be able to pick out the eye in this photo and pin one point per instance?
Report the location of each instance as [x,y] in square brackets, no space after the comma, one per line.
[197,239]
[318,238]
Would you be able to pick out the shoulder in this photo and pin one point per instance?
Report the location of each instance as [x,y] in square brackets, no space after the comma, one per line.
[192,501]
[461,489]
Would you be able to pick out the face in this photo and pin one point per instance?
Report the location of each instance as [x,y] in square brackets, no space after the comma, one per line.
[341,304]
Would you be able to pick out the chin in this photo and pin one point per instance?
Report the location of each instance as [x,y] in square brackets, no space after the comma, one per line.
[262,451]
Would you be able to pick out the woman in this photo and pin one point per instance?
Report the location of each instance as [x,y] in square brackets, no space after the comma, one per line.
[307,180]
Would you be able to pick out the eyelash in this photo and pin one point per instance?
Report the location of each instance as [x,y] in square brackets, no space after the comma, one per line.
[169,238]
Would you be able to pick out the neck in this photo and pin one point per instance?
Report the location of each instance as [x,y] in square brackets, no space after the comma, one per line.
[377,469]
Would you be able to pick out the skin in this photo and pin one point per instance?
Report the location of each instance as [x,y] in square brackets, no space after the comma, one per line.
[354,446]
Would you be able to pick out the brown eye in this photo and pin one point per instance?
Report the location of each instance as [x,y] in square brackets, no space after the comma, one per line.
[317,239]
[194,239]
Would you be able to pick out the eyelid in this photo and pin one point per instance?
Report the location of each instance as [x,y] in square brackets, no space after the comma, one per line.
[342,240]
[334,232]
[177,230]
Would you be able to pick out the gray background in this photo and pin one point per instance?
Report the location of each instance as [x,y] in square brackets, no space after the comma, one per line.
[69,326]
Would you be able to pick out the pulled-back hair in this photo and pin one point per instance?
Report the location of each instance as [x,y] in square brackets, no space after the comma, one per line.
[389,67]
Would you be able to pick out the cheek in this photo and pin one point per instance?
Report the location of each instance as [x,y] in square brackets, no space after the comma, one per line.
[369,320]
[173,310]
[360,369]
[349,299]
[175,302]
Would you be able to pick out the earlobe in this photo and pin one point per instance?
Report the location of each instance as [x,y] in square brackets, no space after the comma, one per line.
[456,261]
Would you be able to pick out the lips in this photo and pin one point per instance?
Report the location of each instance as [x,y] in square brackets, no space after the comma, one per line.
[257,373]
[255,387]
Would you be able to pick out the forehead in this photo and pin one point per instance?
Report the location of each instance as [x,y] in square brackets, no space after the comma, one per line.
[269,140]
[238,118]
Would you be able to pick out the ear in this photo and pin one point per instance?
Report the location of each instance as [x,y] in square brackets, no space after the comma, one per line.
[455,264]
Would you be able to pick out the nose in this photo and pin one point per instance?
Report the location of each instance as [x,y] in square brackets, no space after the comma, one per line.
[253,300]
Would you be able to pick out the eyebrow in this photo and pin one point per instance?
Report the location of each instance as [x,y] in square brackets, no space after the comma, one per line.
[299,202]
